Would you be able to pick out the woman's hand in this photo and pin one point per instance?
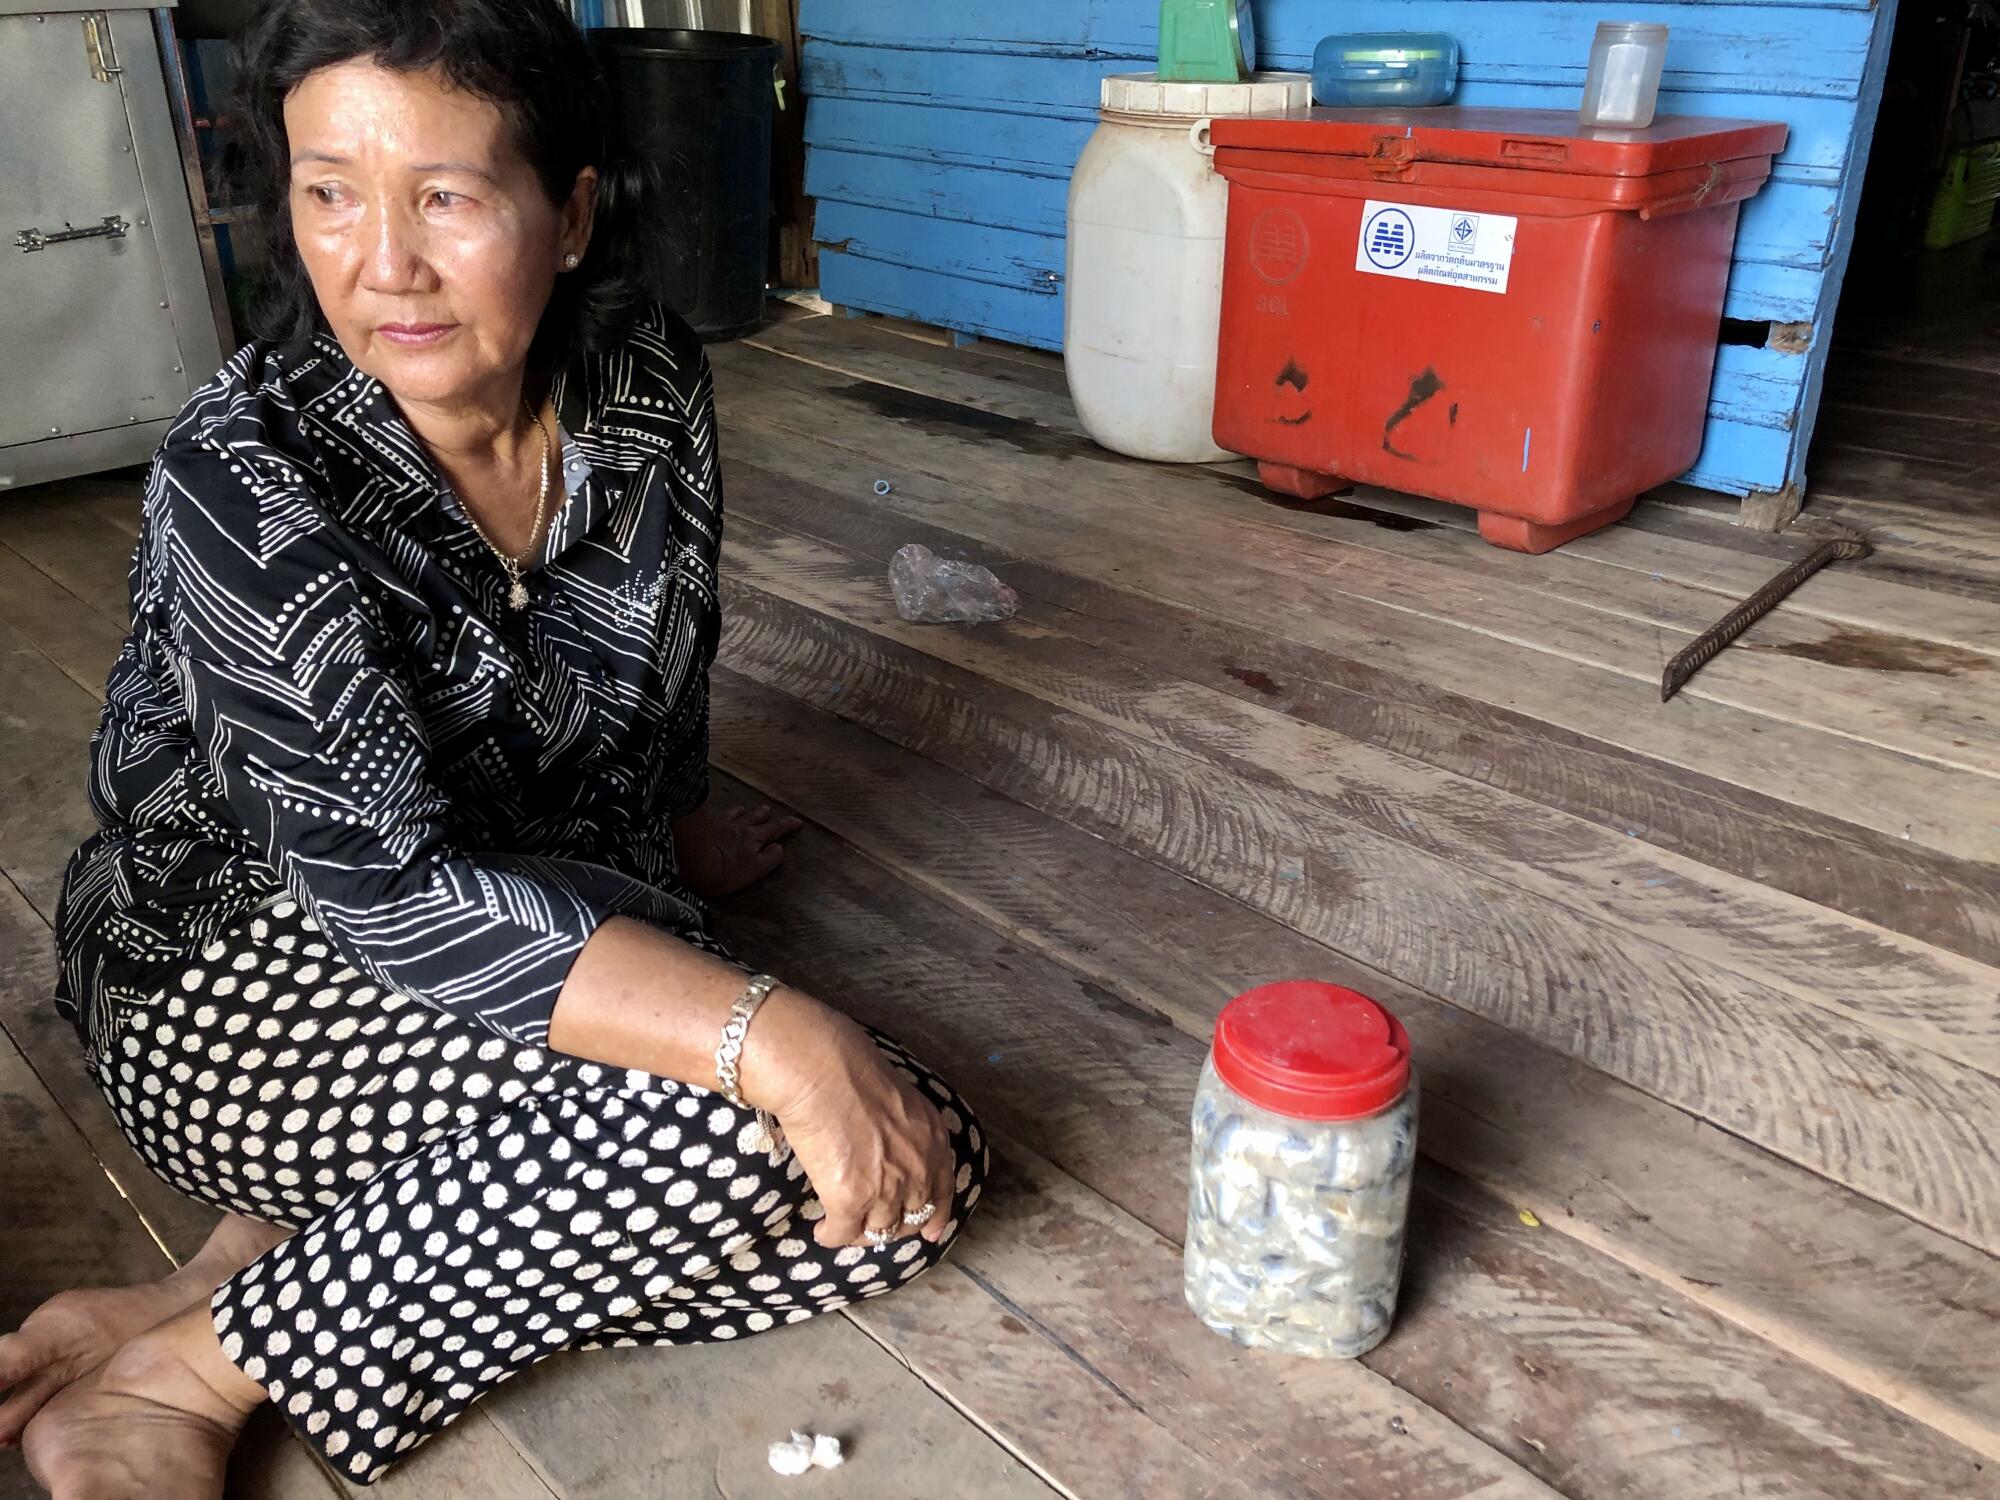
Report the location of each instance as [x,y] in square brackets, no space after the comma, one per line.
[722,853]
[872,1146]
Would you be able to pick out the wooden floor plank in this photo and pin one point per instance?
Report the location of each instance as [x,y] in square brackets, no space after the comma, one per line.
[1023,510]
[1081,1276]
[46,721]
[51,619]
[1814,1268]
[56,530]
[1892,984]
[1921,543]
[1888,1118]
[1719,575]
[1809,949]
[1103,1091]
[1878,879]
[637,1424]
[1893,883]
[938,439]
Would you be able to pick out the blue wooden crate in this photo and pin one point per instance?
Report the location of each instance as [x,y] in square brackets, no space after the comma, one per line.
[942,137]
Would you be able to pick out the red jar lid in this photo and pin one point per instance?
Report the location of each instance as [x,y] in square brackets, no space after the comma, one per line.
[1313,1051]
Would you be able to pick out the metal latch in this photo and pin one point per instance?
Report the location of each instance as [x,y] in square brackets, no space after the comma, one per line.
[31,240]
[97,43]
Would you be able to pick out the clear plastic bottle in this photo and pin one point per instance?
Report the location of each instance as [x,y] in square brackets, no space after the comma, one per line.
[1623,89]
[1305,1134]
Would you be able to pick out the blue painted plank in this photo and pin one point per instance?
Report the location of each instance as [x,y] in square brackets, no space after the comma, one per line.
[1706,36]
[911,137]
[947,301]
[1723,48]
[1765,293]
[1067,88]
[1786,224]
[990,195]
[1754,386]
[1736,457]
[1031,263]
[965,137]
[1757,387]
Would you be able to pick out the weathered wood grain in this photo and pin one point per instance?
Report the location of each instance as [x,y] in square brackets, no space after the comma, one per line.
[50,618]
[1893,596]
[1891,1119]
[1075,1272]
[46,721]
[1103,1090]
[1898,985]
[1443,574]
[1947,903]
[60,533]
[637,1424]
[1682,572]
[1920,543]
[1891,983]
[1024,511]
[1818,1270]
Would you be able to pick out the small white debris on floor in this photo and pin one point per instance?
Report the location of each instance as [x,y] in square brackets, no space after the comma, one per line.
[803,1451]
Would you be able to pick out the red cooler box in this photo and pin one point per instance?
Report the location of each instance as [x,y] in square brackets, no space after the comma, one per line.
[1501,308]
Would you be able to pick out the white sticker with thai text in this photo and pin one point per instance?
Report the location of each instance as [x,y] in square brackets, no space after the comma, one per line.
[1446,246]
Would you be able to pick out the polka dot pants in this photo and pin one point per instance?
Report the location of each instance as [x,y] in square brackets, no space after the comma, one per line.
[465,1205]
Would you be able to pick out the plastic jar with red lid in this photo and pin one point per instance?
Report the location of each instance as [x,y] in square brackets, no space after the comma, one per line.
[1305,1139]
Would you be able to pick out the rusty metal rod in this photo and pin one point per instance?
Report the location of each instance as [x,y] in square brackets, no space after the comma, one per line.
[1849,545]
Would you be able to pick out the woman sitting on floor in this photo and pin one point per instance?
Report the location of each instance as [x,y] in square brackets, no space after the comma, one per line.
[391,945]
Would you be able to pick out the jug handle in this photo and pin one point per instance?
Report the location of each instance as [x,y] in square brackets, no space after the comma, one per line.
[1200,138]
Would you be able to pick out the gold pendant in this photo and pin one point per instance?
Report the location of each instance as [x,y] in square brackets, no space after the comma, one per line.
[517,596]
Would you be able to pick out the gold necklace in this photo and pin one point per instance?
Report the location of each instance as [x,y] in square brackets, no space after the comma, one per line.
[514,567]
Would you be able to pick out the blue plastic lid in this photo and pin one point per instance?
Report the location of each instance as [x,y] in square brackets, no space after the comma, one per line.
[1386,54]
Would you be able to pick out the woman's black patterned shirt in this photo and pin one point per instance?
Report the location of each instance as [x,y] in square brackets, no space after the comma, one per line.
[325,695]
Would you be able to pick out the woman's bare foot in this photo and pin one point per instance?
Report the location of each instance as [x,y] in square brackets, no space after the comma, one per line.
[156,1421]
[74,1332]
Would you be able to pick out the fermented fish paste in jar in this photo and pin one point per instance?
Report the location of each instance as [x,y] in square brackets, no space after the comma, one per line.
[1305,1134]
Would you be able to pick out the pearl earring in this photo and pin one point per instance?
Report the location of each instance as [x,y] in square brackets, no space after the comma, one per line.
[571,262]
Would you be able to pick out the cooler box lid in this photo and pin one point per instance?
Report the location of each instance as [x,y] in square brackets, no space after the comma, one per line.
[1534,140]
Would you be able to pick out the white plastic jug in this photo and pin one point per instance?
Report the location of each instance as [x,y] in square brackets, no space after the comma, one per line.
[1144,298]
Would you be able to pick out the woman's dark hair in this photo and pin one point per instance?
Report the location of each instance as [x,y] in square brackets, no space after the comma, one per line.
[525,56]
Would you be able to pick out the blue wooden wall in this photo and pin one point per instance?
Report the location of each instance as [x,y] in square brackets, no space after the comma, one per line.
[941,138]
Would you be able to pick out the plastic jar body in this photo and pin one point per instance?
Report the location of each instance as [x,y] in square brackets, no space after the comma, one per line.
[1622,91]
[1296,1227]
[1144,298]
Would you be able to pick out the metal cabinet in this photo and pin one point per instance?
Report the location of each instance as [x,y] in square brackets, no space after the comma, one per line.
[106,322]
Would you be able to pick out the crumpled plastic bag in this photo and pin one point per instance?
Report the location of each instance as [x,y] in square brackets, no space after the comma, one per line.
[933,590]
